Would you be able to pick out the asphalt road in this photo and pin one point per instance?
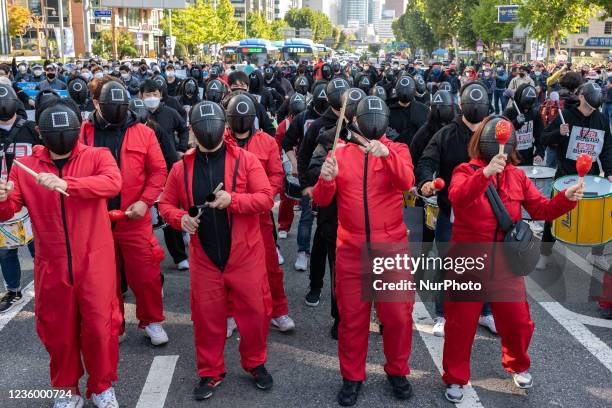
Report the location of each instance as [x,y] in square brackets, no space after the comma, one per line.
[571,353]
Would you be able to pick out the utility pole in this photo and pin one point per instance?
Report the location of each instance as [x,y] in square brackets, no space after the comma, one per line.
[170,31]
[114,32]
[86,28]
[60,42]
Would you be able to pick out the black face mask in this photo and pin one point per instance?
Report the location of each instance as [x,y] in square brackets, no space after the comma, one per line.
[208,124]
[60,143]
[8,103]
[372,117]
[50,75]
[489,146]
[59,129]
[522,74]
[241,114]
[475,103]
[114,114]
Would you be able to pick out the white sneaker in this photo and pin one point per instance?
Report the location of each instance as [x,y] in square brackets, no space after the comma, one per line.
[183,265]
[598,261]
[106,399]
[281,260]
[283,323]
[231,326]
[438,329]
[301,263]
[523,380]
[543,262]
[76,401]
[488,322]
[282,234]
[156,333]
[454,393]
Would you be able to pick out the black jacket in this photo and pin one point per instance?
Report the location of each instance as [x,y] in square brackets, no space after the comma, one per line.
[407,120]
[264,121]
[171,122]
[309,143]
[326,215]
[18,141]
[447,149]
[533,120]
[297,129]
[573,117]
[421,140]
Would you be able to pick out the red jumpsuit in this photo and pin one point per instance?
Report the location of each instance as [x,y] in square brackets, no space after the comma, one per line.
[386,179]
[144,172]
[243,282]
[77,313]
[285,208]
[263,146]
[476,222]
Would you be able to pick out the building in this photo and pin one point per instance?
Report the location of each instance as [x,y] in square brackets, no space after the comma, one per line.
[384,28]
[355,12]
[244,7]
[282,6]
[594,40]
[330,8]
[399,6]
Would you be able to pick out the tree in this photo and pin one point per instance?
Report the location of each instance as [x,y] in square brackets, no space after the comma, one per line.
[257,26]
[552,20]
[276,29]
[412,28]
[194,25]
[20,19]
[485,26]
[317,21]
[230,27]
[449,20]
[103,46]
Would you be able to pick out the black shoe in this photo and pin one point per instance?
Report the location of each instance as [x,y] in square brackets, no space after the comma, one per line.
[334,329]
[205,387]
[263,379]
[604,313]
[10,300]
[347,396]
[313,297]
[401,387]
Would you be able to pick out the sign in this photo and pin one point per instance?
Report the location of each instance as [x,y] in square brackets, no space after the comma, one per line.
[139,39]
[145,4]
[297,50]
[479,46]
[252,50]
[538,50]
[505,45]
[507,14]
[288,32]
[67,41]
[103,13]
[305,33]
[598,42]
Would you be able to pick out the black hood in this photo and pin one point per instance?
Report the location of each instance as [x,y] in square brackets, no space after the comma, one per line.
[256,88]
[130,121]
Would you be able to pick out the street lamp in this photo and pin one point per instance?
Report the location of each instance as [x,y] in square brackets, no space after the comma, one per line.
[45,23]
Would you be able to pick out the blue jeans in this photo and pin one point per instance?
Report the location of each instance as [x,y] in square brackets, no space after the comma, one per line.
[305,226]
[607,110]
[498,97]
[11,269]
[443,236]
[551,157]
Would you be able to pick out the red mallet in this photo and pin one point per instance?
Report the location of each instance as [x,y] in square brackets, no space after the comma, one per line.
[583,166]
[116,215]
[438,184]
[503,130]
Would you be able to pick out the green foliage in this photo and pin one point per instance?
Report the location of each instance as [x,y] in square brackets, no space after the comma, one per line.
[485,26]
[412,28]
[317,21]
[257,26]
[276,29]
[230,28]
[552,20]
[103,46]
[20,19]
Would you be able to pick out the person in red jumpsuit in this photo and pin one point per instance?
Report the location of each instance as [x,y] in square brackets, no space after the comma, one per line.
[143,169]
[240,119]
[367,183]
[474,222]
[77,313]
[297,104]
[227,252]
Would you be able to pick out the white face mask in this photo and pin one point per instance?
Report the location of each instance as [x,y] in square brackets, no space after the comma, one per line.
[22,69]
[125,76]
[38,72]
[86,75]
[170,74]
[99,75]
[152,102]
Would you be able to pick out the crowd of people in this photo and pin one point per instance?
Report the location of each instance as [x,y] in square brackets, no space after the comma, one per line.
[209,147]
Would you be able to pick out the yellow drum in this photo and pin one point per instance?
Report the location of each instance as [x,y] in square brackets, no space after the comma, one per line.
[409,199]
[17,231]
[431,211]
[590,223]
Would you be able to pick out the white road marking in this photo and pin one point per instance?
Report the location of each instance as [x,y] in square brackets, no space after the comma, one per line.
[435,345]
[574,323]
[158,381]
[28,294]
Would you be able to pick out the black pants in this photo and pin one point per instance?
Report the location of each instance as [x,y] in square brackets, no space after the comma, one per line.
[548,241]
[175,244]
[324,249]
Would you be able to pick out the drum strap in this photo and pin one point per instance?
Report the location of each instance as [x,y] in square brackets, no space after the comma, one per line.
[365,204]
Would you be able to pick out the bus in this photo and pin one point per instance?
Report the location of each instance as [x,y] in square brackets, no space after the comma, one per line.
[323,51]
[299,49]
[229,52]
[257,51]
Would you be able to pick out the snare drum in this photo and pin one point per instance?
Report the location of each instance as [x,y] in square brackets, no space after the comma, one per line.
[156,219]
[590,223]
[542,177]
[409,199]
[431,211]
[17,231]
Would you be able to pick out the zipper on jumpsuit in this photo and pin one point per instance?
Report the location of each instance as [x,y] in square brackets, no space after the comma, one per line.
[214,214]
[65,225]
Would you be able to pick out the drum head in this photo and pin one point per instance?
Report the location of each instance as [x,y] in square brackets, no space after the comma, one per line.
[18,216]
[433,200]
[538,172]
[594,186]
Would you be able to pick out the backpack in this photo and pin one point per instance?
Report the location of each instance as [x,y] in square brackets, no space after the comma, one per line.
[549,111]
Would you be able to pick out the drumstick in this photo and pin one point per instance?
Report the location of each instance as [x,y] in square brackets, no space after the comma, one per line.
[35,175]
[584,162]
[554,96]
[503,130]
[339,124]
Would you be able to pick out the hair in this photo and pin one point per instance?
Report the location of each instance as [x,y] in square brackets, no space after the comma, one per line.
[237,76]
[96,69]
[474,145]
[571,81]
[5,68]
[124,68]
[95,86]
[149,85]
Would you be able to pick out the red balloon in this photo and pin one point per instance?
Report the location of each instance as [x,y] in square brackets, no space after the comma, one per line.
[116,215]
[503,130]
[583,164]
[439,184]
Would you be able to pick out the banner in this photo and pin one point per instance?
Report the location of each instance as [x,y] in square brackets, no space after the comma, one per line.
[67,43]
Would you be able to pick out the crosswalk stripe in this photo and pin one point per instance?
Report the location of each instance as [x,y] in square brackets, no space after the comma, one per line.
[28,294]
[158,381]
[435,347]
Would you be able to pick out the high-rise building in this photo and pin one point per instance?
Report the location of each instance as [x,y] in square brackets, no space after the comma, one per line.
[329,7]
[282,6]
[384,28]
[399,6]
[355,13]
